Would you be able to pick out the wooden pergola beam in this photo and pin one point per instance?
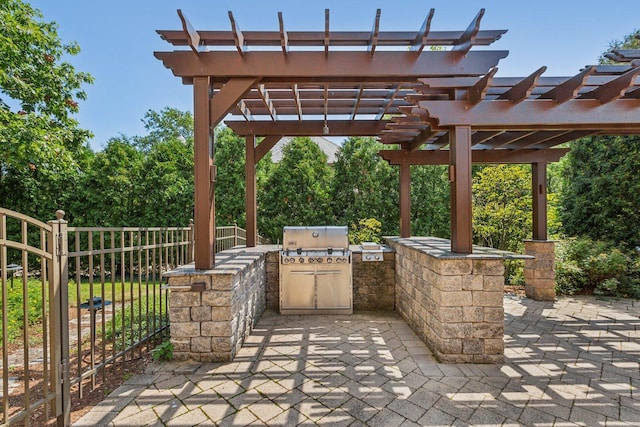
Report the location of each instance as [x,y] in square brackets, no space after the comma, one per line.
[375,31]
[193,38]
[441,157]
[420,41]
[537,114]
[467,39]
[522,90]
[335,66]
[308,127]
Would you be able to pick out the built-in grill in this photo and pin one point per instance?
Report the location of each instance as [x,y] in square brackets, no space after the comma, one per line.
[315,271]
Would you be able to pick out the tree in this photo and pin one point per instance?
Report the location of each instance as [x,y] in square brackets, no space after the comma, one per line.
[364,186]
[42,144]
[297,192]
[165,188]
[108,195]
[230,185]
[600,192]
[601,197]
[430,212]
[502,206]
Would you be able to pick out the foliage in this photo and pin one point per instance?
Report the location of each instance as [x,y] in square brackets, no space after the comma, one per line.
[430,211]
[601,197]
[584,265]
[230,184]
[108,188]
[42,144]
[163,351]
[15,303]
[165,188]
[136,321]
[367,230]
[630,41]
[364,186]
[298,190]
[502,206]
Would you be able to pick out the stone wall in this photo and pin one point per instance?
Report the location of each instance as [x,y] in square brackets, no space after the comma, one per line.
[373,282]
[211,325]
[453,302]
[539,270]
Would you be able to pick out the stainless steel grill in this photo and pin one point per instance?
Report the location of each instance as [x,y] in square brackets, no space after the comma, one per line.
[315,271]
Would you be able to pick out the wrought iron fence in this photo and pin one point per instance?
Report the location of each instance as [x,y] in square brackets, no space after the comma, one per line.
[77,302]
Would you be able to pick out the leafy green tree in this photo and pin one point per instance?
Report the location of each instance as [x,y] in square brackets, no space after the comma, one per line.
[365,186]
[230,185]
[165,188]
[109,198]
[298,190]
[430,212]
[502,206]
[601,188]
[601,198]
[42,144]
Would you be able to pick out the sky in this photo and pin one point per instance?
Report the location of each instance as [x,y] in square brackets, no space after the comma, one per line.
[117,40]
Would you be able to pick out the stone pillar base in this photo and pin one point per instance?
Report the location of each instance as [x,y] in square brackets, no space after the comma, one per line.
[539,272]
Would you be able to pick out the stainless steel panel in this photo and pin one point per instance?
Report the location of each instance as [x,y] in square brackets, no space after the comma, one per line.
[333,288]
[297,289]
[315,237]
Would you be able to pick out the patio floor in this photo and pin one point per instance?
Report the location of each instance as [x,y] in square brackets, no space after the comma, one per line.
[571,362]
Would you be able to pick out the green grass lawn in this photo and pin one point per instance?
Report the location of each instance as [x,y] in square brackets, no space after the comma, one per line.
[133,302]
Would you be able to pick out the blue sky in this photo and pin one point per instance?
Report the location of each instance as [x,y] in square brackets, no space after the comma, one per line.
[118,39]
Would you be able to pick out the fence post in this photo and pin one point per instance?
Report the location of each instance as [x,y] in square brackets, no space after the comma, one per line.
[192,239]
[59,308]
[235,234]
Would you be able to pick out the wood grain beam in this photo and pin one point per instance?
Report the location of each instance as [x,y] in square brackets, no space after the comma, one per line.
[373,41]
[615,89]
[522,90]
[568,89]
[441,157]
[193,38]
[423,33]
[335,66]
[464,43]
[284,38]
[537,114]
[238,37]
[478,91]
[308,127]
[228,97]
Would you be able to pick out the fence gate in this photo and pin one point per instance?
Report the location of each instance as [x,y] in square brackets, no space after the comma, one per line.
[34,320]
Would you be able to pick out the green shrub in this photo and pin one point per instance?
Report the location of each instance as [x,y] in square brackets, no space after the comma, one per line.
[367,230]
[585,266]
[163,351]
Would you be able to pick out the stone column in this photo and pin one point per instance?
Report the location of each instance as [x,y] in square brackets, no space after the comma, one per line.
[540,272]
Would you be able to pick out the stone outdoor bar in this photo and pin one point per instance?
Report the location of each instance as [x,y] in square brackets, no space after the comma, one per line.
[453,302]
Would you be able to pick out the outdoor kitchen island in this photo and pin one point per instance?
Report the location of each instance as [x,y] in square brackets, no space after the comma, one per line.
[453,302]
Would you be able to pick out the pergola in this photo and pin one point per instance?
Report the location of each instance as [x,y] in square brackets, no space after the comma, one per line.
[426,94]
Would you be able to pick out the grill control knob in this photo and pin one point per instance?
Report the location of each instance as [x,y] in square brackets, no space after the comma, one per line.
[329,260]
[301,260]
[312,260]
[320,260]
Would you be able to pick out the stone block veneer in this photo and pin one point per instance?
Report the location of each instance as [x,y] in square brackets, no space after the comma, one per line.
[539,271]
[453,302]
[373,282]
[211,326]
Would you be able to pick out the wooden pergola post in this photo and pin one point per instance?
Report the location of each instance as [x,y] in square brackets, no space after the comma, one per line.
[460,188]
[539,194]
[250,188]
[204,185]
[405,199]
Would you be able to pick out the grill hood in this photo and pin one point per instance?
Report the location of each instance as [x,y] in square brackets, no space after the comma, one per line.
[315,237]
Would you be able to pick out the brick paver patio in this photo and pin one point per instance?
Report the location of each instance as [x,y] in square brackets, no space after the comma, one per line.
[570,362]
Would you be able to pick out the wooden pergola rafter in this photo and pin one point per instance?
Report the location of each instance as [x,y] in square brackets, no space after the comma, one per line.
[430,106]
